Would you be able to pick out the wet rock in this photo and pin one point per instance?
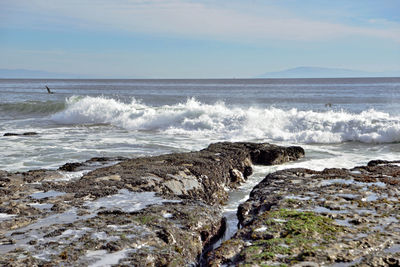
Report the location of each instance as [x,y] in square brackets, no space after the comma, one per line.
[39,175]
[334,216]
[91,164]
[202,175]
[112,246]
[11,134]
[59,207]
[5,241]
[236,176]
[306,264]
[180,237]
[30,133]
[70,167]
[378,162]
[91,218]
[274,155]
[23,134]
[56,232]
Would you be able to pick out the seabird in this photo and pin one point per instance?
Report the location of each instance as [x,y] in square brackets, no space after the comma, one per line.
[48,90]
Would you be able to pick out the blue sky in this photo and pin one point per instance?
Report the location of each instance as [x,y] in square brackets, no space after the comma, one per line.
[197,39]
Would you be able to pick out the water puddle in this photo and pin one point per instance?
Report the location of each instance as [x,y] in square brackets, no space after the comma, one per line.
[70,176]
[101,258]
[371,197]
[350,182]
[347,264]
[364,211]
[297,197]
[104,236]
[378,184]
[393,249]
[37,230]
[6,216]
[41,206]
[48,194]
[344,223]
[335,181]
[127,201]
[320,209]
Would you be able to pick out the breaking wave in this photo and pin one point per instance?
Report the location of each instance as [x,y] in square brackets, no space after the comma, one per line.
[234,123]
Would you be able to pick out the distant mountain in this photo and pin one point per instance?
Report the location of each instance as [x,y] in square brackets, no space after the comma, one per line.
[32,74]
[316,72]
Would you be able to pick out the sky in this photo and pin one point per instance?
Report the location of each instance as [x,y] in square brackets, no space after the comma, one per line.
[197,39]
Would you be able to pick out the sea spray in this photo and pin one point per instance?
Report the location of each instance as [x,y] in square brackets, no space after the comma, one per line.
[193,118]
[100,118]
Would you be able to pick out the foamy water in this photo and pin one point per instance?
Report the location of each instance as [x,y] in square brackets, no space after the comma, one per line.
[196,119]
[342,122]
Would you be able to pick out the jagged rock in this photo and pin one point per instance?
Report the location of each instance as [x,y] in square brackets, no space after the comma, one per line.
[176,228]
[70,167]
[91,163]
[202,175]
[23,134]
[300,217]
[30,133]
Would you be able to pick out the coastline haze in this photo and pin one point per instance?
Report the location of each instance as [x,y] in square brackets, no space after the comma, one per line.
[299,72]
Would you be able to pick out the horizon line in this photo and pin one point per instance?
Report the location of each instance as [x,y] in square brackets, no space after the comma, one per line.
[221,78]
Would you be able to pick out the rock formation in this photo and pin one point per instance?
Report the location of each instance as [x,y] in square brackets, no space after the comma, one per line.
[152,211]
[300,217]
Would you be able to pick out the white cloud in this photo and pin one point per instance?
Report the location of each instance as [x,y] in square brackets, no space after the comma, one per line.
[198,20]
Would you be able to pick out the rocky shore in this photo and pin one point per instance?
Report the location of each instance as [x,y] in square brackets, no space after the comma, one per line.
[167,211]
[153,211]
[335,217]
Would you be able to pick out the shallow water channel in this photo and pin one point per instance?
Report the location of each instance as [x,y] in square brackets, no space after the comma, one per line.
[238,196]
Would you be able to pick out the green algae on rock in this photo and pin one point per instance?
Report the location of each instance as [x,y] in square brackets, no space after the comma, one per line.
[301,217]
[291,234]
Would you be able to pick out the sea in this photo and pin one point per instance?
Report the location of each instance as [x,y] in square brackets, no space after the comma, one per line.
[341,123]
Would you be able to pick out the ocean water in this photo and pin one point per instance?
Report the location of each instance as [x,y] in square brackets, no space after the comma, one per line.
[339,122]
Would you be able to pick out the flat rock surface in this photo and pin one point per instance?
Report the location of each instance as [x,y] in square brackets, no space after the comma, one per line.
[153,211]
[335,217]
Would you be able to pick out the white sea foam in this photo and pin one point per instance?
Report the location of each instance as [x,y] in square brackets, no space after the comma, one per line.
[234,123]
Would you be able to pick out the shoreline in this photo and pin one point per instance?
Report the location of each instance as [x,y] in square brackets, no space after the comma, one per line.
[167,210]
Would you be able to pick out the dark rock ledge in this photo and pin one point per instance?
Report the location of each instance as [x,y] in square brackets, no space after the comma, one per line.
[335,217]
[173,215]
[21,134]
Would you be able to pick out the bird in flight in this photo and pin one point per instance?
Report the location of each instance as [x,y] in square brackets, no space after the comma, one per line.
[48,90]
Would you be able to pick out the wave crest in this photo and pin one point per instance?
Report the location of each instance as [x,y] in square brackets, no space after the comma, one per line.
[234,123]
